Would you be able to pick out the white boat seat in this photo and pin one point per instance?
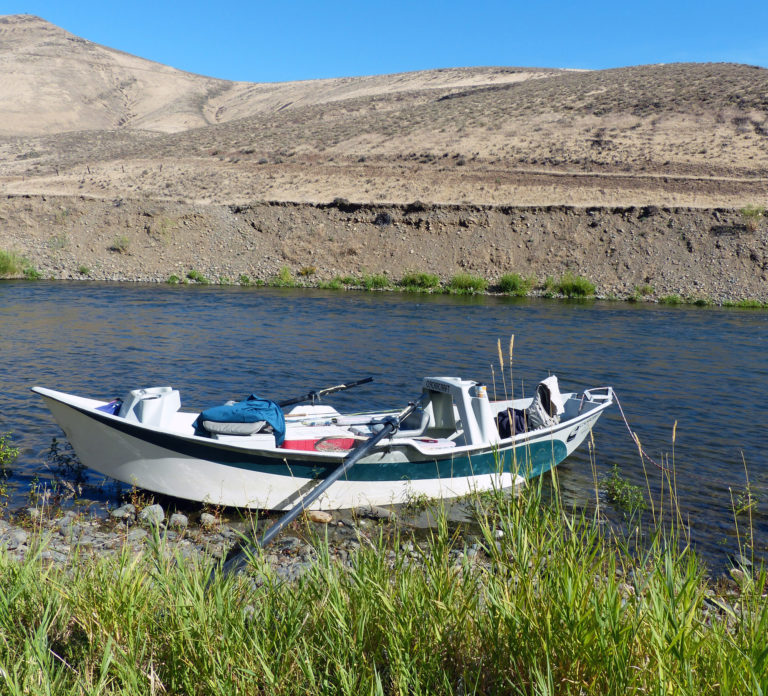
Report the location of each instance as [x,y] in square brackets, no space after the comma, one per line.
[154,406]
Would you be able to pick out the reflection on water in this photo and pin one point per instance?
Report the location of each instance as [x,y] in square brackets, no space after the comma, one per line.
[703,368]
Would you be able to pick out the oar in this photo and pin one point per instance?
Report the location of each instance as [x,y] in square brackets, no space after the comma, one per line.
[238,556]
[313,395]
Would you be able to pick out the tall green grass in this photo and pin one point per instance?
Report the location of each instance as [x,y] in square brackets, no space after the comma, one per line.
[550,604]
[574,286]
[11,264]
[466,284]
[419,282]
[515,284]
[375,281]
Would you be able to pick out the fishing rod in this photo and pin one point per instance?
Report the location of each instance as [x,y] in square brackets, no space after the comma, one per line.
[316,395]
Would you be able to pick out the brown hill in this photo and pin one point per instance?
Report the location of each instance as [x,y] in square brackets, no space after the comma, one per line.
[76,117]
[55,82]
[488,170]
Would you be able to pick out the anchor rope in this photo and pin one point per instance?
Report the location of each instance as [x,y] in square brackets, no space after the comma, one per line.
[636,439]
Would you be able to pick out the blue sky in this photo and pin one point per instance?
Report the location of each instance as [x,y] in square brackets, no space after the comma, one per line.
[298,40]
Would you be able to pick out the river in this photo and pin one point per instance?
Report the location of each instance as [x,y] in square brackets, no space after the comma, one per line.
[703,368]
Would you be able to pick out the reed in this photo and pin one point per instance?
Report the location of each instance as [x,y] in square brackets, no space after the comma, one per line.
[746,304]
[501,367]
[542,601]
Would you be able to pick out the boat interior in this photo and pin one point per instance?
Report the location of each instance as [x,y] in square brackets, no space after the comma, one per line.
[451,413]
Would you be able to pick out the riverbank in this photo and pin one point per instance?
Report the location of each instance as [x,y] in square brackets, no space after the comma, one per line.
[706,255]
[541,599]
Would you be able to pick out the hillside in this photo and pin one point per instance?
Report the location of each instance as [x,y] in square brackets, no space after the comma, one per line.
[82,120]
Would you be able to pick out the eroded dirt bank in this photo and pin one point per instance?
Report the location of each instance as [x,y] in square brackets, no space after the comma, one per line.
[696,253]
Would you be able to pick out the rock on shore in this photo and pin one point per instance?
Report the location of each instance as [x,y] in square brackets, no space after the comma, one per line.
[64,536]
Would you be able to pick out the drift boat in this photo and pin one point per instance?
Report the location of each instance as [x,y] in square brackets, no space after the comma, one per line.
[454,440]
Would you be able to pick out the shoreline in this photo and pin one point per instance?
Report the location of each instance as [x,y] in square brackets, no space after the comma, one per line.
[703,256]
[443,290]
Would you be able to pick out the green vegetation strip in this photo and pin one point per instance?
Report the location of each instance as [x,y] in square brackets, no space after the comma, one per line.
[513,284]
[550,604]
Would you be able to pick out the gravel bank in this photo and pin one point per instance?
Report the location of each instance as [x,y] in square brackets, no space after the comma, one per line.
[60,536]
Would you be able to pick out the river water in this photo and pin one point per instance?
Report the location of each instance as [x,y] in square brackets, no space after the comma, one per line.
[703,368]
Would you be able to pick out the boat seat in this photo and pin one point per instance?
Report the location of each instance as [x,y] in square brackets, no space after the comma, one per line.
[154,406]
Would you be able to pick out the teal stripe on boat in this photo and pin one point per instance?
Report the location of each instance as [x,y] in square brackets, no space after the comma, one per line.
[528,461]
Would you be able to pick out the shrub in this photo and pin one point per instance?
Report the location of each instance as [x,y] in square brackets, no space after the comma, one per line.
[375,282]
[59,241]
[464,283]
[83,270]
[624,495]
[745,304]
[752,214]
[344,205]
[515,284]
[31,273]
[284,279]
[8,454]
[422,281]
[119,244]
[644,290]
[307,271]
[334,284]
[575,286]
[383,219]
[671,300]
[173,279]
[244,280]
[197,277]
[700,301]
[415,207]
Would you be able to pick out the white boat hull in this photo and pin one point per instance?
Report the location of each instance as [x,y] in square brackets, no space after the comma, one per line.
[178,463]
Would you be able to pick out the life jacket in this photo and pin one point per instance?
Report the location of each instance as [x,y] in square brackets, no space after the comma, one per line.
[547,405]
